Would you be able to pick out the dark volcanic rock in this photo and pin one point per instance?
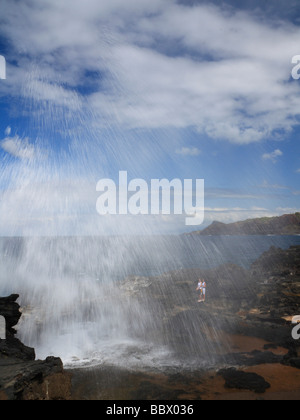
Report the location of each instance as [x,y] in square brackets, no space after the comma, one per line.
[21,376]
[35,380]
[295,362]
[14,348]
[10,310]
[277,280]
[243,380]
[278,262]
[256,303]
[11,347]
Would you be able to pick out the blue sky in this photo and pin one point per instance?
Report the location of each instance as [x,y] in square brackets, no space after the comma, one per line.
[161,89]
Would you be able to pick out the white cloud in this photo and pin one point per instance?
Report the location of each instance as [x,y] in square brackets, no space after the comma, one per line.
[188,151]
[226,79]
[273,156]
[18,148]
[298,171]
[155,64]
[44,91]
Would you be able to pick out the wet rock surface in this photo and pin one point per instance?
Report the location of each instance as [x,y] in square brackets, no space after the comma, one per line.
[10,310]
[244,380]
[259,302]
[243,332]
[248,306]
[34,380]
[21,376]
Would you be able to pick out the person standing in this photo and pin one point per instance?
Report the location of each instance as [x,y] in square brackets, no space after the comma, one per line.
[203,291]
[200,289]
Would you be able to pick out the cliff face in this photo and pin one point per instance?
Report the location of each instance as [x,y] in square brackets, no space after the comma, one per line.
[288,224]
[21,376]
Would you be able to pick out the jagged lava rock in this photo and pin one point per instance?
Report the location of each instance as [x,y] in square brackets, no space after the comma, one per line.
[10,310]
[21,376]
[237,379]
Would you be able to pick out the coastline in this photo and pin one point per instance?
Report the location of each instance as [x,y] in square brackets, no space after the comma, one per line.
[242,332]
[287,224]
[254,338]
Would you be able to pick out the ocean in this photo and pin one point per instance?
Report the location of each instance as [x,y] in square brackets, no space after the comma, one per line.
[112,258]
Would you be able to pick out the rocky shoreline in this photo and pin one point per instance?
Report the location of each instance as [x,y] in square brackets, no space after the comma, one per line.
[245,328]
[245,324]
[243,332]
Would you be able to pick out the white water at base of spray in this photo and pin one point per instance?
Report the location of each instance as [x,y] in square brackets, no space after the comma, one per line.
[74,305]
[71,303]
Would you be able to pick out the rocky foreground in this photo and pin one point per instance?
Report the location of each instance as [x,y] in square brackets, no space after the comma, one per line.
[244,330]
[21,376]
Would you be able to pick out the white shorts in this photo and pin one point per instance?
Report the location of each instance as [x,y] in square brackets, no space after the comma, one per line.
[204,291]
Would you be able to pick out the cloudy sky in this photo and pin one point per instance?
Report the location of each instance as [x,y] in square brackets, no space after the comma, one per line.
[170,89]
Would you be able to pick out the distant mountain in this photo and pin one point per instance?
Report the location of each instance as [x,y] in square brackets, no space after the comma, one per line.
[288,224]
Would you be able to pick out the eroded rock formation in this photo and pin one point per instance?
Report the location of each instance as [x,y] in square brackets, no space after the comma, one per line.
[21,376]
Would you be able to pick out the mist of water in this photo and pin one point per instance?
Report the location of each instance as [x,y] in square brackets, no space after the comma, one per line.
[74,305]
[69,295]
[69,285]
[89,300]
